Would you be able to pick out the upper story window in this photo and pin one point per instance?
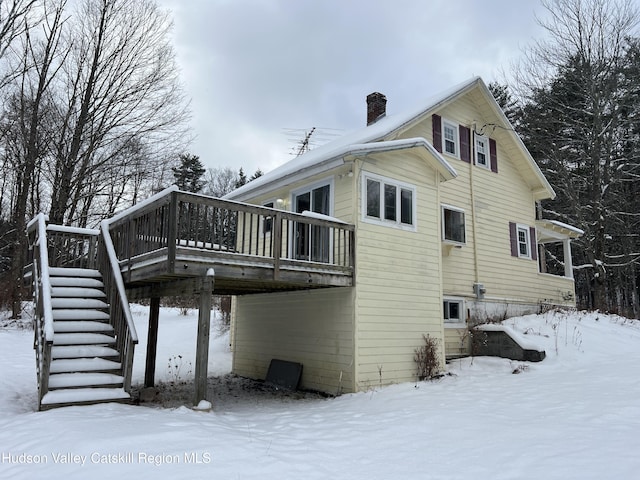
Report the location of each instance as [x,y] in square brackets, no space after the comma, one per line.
[482,151]
[459,141]
[389,202]
[453,225]
[450,138]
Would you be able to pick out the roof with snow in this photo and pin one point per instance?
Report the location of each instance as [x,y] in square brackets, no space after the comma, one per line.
[383,134]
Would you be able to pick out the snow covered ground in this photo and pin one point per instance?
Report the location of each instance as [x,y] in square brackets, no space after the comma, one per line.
[574,415]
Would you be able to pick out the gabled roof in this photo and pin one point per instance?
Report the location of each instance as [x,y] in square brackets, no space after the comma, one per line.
[385,130]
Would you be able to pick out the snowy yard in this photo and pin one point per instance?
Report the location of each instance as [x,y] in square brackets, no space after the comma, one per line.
[574,415]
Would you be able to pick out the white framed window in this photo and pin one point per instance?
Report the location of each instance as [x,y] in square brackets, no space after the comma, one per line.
[450,138]
[388,202]
[453,225]
[453,311]
[312,243]
[522,232]
[482,151]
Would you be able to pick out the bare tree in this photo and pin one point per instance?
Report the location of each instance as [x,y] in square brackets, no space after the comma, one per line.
[24,129]
[219,181]
[14,22]
[121,81]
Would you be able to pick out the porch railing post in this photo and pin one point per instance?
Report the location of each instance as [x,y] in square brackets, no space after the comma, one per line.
[172,233]
[277,244]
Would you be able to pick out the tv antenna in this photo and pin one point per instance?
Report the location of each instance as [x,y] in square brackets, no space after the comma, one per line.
[303,146]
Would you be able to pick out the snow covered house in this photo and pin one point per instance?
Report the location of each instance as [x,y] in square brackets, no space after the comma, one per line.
[443,200]
[341,260]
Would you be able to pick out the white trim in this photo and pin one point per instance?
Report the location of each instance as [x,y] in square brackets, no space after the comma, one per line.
[487,151]
[327,181]
[312,186]
[461,322]
[456,137]
[380,220]
[525,228]
[273,205]
[444,207]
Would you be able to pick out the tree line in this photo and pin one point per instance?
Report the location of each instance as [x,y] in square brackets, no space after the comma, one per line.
[93,117]
[575,100]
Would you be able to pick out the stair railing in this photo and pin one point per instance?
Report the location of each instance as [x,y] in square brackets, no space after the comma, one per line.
[43,315]
[120,316]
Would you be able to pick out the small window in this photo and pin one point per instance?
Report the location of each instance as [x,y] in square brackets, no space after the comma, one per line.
[482,151]
[453,227]
[373,198]
[267,223]
[389,202]
[450,137]
[523,242]
[453,311]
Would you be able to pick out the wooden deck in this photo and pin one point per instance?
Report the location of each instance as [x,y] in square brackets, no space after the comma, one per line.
[167,246]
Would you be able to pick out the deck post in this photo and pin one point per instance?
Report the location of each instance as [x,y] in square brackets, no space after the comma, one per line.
[202,343]
[152,343]
[276,224]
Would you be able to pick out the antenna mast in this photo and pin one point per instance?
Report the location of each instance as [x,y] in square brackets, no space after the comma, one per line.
[304,144]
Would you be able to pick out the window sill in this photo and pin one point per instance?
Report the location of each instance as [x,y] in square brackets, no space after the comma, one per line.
[455,325]
[448,245]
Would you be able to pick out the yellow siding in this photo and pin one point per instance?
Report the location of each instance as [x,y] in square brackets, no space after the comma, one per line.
[362,337]
[313,327]
[497,200]
[397,281]
[457,342]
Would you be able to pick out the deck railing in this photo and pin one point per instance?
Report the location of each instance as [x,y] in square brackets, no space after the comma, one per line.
[43,315]
[70,247]
[175,219]
[119,313]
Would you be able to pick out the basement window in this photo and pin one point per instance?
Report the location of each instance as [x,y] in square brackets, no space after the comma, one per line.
[453,311]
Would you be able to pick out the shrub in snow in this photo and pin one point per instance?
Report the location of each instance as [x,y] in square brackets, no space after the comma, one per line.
[426,358]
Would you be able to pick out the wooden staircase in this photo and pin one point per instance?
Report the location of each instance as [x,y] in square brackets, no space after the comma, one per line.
[85,363]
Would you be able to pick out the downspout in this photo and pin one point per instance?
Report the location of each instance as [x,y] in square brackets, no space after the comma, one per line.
[473,209]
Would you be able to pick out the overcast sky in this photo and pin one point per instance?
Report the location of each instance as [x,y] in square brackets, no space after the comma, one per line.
[255,68]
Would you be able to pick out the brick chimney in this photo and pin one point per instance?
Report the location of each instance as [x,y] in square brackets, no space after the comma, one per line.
[376,107]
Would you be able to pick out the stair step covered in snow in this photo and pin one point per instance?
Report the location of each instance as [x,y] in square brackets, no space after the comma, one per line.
[86,366]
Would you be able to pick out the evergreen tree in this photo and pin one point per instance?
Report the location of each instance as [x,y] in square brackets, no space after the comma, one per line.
[242,178]
[581,125]
[506,101]
[189,173]
[258,173]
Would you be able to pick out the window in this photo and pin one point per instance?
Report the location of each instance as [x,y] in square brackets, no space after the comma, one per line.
[523,242]
[450,137]
[453,311]
[482,151]
[453,228]
[389,202]
[312,242]
[267,223]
